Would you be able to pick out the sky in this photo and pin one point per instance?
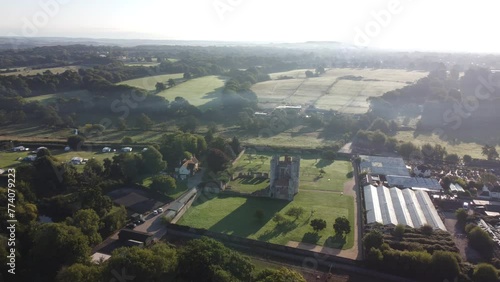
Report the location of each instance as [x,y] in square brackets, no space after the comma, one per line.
[443,25]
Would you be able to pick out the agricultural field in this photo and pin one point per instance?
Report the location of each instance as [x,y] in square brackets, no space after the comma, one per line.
[335,173]
[463,148]
[203,92]
[149,82]
[25,71]
[328,91]
[236,216]
[83,95]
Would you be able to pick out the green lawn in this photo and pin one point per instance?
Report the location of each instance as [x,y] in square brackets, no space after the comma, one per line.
[25,71]
[10,159]
[203,92]
[149,82]
[83,95]
[236,216]
[464,148]
[336,173]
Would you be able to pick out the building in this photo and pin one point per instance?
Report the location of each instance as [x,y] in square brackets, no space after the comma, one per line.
[132,237]
[393,206]
[188,167]
[284,177]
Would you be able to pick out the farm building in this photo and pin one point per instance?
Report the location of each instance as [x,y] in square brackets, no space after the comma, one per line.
[427,184]
[132,236]
[284,177]
[393,206]
[383,165]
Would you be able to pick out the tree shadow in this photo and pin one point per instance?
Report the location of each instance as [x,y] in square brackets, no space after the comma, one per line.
[240,222]
[336,242]
[349,174]
[311,238]
[282,228]
[323,163]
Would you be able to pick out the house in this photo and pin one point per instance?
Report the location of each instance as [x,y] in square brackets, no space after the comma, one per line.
[127,149]
[485,193]
[106,149]
[188,167]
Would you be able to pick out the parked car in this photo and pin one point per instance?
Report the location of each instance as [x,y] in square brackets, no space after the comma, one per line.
[160,210]
[155,212]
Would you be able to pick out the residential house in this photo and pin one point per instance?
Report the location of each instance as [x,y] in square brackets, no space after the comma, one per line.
[188,167]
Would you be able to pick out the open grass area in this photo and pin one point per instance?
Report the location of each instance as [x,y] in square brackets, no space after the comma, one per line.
[149,82]
[335,173]
[203,92]
[12,159]
[25,71]
[236,216]
[461,149]
[83,95]
[328,91]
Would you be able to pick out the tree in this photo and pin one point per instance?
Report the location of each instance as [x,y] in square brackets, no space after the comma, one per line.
[329,155]
[461,215]
[259,214]
[279,275]
[485,272]
[171,82]
[481,241]
[318,224]
[452,159]
[89,222]
[93,166]
[373,239]
[113,220]
[426,229]
[160,86]
[79,272]
[153,160]
[127,140]
[309,74]
[187,75]
[399,230]
[163,184]
[296,212]
[57,244]
[150,264]
[467,159]
[211,258]
[144,122]
[217,160]
[75,142]
[189,124]
[445,265]
[406,150]
[235,145]
[490,152]
[122,124]
[342,226]
[43,152]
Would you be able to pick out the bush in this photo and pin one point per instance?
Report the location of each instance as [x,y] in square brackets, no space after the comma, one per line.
[399,230]
[427,229]
[373,239]
[485,273]
[481,241]
[127,140]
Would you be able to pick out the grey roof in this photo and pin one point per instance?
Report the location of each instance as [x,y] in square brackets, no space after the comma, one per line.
[392,206]
[383,165]
[429,184]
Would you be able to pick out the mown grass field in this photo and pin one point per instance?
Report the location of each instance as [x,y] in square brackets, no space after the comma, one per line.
[29,71]
[329,92]
[236,216]
[203,92]
[83,95]
[461,149]
[149,82]
[333,179]
[12,159]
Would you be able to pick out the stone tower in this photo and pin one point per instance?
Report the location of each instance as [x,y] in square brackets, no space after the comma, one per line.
[284,177]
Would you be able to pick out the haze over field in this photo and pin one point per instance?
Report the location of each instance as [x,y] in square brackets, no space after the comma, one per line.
[390,24]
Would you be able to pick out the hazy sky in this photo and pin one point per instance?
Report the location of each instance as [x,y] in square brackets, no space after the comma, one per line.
[396,24]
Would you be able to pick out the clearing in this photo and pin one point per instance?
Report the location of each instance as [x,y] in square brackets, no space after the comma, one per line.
[149,82]
[330,91]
